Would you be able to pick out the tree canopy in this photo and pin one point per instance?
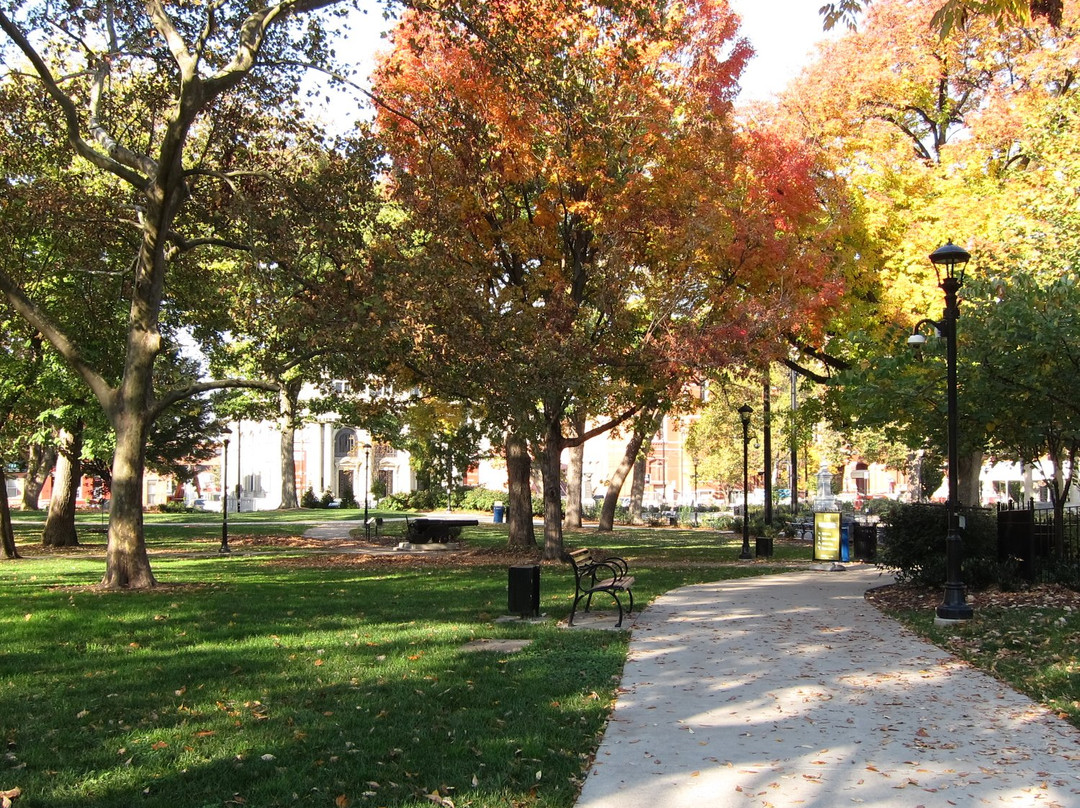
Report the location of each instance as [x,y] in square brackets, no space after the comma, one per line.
[590,221]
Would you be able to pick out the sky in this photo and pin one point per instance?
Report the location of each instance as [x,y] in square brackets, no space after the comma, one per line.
[784,34]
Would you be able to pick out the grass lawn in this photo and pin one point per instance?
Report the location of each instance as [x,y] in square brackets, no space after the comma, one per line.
[283,675]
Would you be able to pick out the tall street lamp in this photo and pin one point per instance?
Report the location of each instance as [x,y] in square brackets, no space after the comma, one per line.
[239,473]
[950,261]
[695,461]
[367,480]
[744,415]
[224,497]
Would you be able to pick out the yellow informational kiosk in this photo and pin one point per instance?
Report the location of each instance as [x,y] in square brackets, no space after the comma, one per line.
[827,536]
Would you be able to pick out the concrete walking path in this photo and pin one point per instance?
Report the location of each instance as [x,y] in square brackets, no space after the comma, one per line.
[791,690]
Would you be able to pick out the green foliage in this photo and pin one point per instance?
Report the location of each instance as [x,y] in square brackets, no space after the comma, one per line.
[467,499]
[878,507]
[378,489]
[721,521]
[481,499]
[309,500]
[915,546]
[1059,571]
[348,499]
[758,527]
[422,500]
[326,499]
[175,507]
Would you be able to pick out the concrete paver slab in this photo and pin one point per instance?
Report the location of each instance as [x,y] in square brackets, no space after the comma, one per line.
[792,690]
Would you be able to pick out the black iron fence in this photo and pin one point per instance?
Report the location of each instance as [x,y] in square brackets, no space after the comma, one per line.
[1032,536]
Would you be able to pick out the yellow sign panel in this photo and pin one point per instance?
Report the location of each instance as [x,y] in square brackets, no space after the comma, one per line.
[827,536]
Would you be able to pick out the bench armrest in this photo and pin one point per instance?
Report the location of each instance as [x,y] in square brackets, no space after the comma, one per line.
[603,572]
[618,562]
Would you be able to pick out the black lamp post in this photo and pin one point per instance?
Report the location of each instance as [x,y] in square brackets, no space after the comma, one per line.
[239,472]
[367,479]
[224,497]
[695,492]
[950,261]
[744,415]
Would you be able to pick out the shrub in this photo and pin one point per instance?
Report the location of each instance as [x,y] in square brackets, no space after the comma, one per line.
[309,500]
[1058,571]
[878,507]
[481,499]
[348,499]
[425,500]
[174,507]
[721,521]
[326,498]
[914,547]
[395,502]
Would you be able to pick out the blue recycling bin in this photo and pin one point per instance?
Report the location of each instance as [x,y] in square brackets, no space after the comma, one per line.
[499,511]
[845,541]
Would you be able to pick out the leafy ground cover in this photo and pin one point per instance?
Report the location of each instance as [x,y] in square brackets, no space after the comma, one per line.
[1029,639]
[293,672]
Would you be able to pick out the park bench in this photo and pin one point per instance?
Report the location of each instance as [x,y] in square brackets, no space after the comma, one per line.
[593,575]
[428,530]
[801,527]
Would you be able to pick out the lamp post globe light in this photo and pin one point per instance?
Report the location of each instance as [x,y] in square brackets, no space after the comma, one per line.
[744,415]
[950,261]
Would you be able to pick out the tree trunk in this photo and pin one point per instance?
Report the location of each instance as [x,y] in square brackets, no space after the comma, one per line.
[60,523]
[647,423]
[552,466]
[1059,496]
[637,489]
[519,473]
[572,516]
[287,421]
[7,533]
[968,467]
[127,564]
[39,463]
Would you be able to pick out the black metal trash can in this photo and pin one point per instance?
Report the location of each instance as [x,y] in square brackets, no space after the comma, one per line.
[865,541]
[523,593]
[763,547]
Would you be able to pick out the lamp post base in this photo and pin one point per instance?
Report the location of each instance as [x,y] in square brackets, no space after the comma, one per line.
[953,609]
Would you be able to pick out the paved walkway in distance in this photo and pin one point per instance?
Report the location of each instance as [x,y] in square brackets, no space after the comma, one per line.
[792,690]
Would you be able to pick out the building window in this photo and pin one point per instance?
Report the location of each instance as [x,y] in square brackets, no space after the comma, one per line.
[345,443]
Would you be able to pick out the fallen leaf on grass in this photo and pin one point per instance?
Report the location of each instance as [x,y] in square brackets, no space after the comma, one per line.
[7,796]
[439,799]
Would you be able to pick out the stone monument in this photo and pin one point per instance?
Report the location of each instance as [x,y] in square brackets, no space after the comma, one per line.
[825,501]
